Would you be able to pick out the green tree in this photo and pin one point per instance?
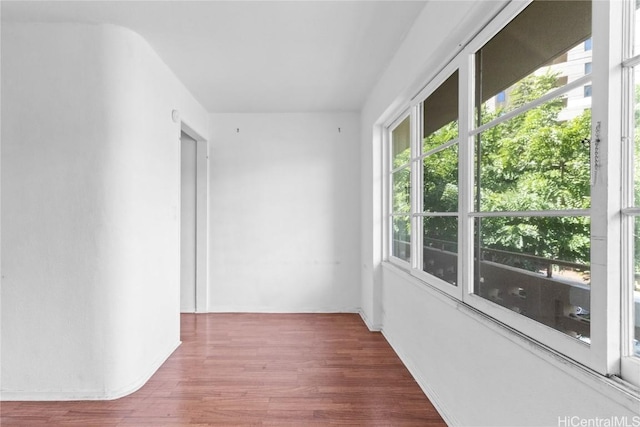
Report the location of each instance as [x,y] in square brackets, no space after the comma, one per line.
[535,162]
[532,162]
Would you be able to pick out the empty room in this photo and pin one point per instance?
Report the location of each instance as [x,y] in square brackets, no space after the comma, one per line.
[325,212]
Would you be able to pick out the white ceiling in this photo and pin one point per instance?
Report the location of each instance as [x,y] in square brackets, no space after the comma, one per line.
[255,56]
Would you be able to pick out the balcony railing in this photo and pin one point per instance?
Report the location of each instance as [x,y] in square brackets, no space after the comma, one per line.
[551,291]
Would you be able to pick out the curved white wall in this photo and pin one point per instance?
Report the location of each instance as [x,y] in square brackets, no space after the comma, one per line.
[90,210]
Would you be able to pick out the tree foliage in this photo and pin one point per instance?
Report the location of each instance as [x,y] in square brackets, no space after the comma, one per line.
[532,162]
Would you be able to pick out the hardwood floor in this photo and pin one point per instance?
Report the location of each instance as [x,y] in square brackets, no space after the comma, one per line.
[260,370]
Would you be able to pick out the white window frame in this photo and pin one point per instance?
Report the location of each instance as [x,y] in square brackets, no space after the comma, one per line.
[608,303]
[418,215]
[546,335]
[629,363]
[388,189]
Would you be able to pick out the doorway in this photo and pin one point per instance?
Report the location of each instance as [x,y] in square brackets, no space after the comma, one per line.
[188,157]
[194,221]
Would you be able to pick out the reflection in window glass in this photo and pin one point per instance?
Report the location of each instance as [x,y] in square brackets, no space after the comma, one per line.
[552,54]
[440,253]
[401,143]
[440,181]
[401,181]
[401,230]
[636,286]
[440,114]
[539,160]
[537,267]
[535,162]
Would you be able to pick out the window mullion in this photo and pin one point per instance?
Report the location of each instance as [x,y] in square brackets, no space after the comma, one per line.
[465,177]
[605,194]
[416,184]
[629,363]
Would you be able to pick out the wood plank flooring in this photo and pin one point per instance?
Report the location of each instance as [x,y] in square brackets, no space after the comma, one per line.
[259,370]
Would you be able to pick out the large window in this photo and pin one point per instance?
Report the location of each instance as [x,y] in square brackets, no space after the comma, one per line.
[498,173]
[532,168]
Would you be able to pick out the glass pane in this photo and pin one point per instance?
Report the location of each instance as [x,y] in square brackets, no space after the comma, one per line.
[401,184]
[636,287]
[440,183]
[537,267]
[535,161]
[440,254]
[569,66]
[400,245]
[401,143]
[513,70]
[440,109]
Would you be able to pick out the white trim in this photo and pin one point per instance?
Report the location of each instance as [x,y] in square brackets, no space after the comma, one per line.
[629,363]
[446,413]
[605,188]
[631,211]
[631,62]
[283,310]
[432,214]
[567,212]
[466,179]
[438,149]
[399,262]
[416,186]
[441,285]
[373,327]
[399,168]
[630,370]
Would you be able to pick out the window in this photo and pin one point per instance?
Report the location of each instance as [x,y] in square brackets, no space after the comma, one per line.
[496,187]
[400,179]
[439,159]
[532,172]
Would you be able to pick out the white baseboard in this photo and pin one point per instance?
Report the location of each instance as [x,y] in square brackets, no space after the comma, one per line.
[282,310]
[445,413]
[52,395]
[373,327]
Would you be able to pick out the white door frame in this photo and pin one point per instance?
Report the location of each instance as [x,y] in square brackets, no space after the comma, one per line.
[202,217]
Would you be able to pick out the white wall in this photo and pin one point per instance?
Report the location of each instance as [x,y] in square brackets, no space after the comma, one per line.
[284,212]
[475,371]
[90,210]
